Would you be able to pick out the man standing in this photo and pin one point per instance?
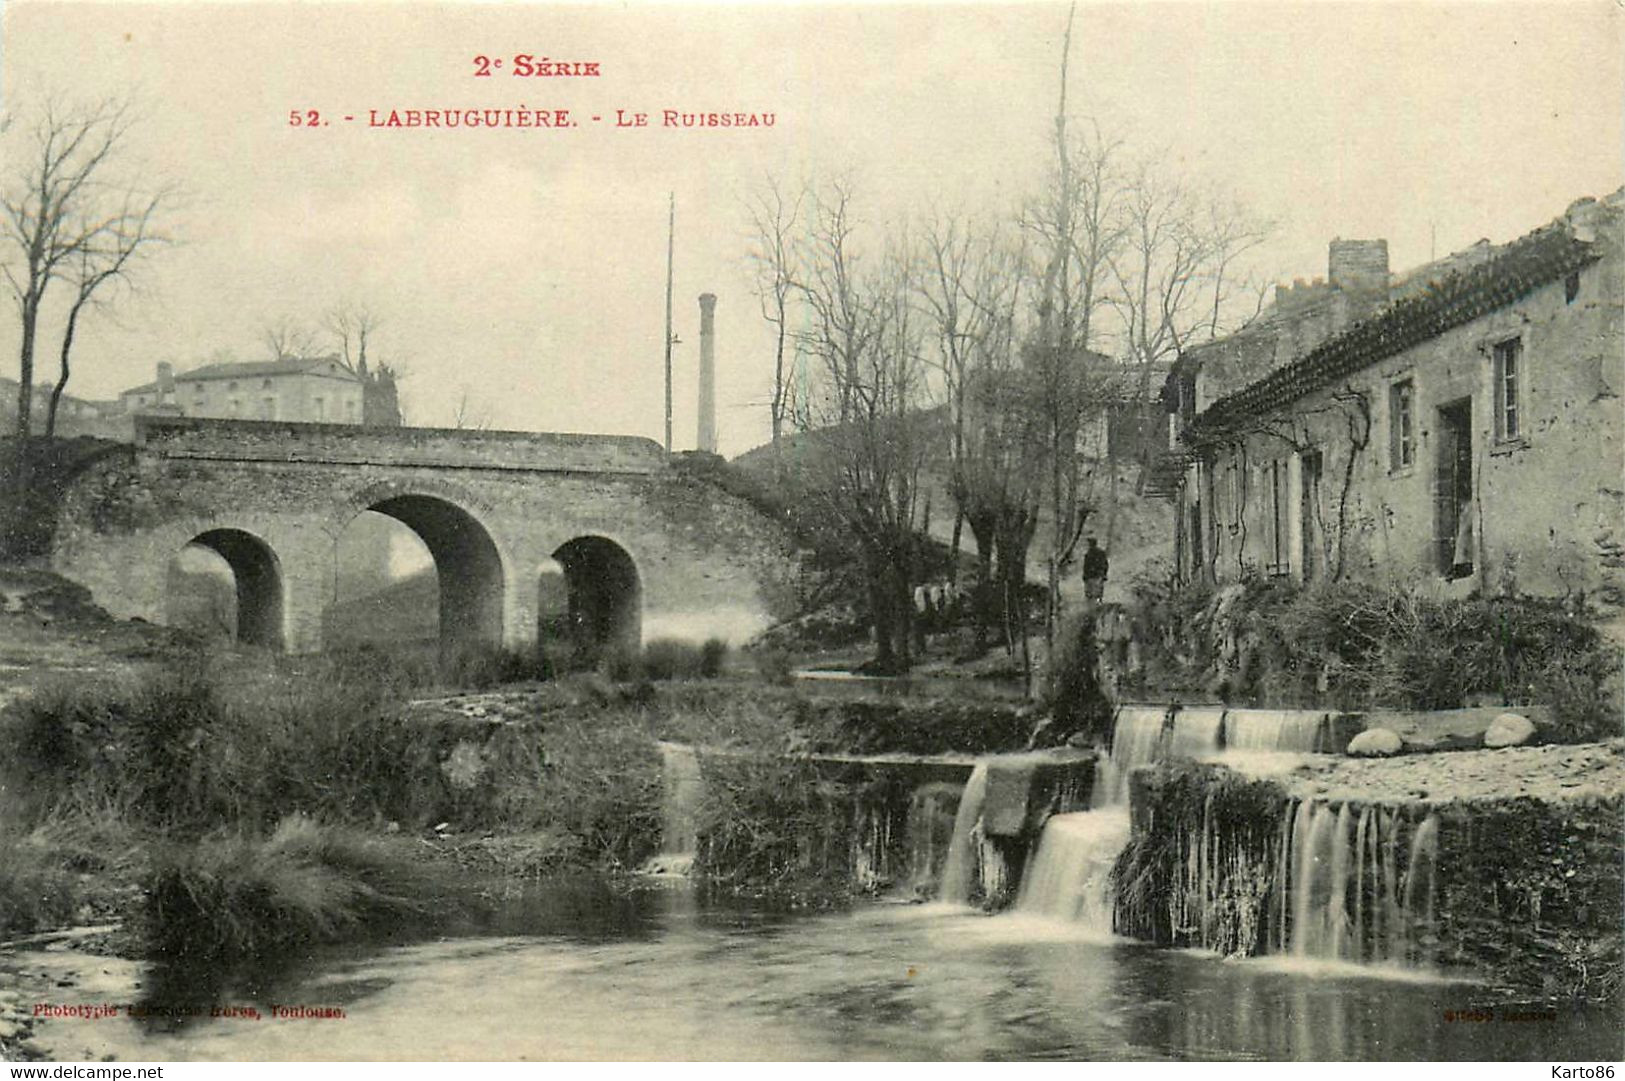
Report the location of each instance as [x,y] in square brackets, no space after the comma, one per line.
[1095,568]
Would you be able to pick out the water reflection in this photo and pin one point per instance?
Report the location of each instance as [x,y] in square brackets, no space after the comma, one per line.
[588,971]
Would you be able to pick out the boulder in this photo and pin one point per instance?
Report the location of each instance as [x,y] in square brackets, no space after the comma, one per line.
[1375,743]
[1509,730]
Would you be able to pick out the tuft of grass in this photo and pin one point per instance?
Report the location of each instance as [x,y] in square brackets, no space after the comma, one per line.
[234,896]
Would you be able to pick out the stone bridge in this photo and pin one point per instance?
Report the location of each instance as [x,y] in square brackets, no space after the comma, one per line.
[642,546]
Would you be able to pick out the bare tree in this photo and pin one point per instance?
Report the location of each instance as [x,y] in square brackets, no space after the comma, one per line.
[287,338]
[353,326]
[471,413]
[1076,227]
[107,261]
[864,335]
[973,291]
[55,211]
[774,218]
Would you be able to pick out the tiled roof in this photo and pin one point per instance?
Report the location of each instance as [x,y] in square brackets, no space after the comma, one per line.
[1517,270]
[252,369]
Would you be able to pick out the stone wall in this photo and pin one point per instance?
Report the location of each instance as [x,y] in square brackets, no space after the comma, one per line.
[496,505]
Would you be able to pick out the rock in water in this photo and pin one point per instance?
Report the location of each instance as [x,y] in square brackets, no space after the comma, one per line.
[1509,730]
[1375,743]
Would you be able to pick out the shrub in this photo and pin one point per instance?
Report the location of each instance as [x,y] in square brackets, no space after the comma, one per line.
[1352,645]
[773,826]
[713,656]
[234,896]
[669,658]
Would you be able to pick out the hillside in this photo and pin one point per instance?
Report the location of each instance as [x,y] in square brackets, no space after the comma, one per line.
[1138,533]
[404,611]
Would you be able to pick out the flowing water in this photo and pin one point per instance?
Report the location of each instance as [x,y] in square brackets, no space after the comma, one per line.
[661,976]
[959,872]
[682,789]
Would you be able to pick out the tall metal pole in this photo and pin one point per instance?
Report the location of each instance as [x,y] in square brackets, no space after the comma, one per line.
[671,233]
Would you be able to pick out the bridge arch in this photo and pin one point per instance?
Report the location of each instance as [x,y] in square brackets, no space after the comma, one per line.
[603,595]
[257,577]
[467,561]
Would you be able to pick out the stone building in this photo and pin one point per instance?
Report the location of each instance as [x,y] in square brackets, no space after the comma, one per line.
[315,389]
[1461,425]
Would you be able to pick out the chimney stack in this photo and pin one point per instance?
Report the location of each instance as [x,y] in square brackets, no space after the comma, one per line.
[1360,268]
[166,379]
[707,440]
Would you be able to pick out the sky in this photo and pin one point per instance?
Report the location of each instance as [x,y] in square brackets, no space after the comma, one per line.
[521,272]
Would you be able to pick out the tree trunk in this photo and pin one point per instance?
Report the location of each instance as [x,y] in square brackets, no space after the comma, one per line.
[62,376]
[25,408]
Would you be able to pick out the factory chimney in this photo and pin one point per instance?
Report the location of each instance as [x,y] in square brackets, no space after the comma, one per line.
[707,440]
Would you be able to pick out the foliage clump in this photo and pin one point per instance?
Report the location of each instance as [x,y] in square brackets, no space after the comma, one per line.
[1352,645]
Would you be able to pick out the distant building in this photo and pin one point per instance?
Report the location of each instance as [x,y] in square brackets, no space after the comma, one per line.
[312,389]
[74,416]
[1463,423]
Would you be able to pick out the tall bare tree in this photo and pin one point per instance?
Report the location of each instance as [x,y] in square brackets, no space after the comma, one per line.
[866,339]
[102,264]
[55,206]
[775,216]
[1075,223]
[973,290]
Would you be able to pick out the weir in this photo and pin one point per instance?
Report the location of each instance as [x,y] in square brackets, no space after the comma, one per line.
[1356,884]
[1353,884]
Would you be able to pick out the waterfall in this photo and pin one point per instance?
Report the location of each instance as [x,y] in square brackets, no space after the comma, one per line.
[1275,730]
[1069,877]
[1136,739]
[932,812]
[1349,894]
[683,789]
[960,871]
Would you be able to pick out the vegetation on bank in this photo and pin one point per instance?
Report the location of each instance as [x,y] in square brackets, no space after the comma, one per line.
[1359,646]
[28,516]
[238,783]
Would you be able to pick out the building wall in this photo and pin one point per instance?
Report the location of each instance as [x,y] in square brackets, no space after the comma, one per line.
[1548,504]
[325,394]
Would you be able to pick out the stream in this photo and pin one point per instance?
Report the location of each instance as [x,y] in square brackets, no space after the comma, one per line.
[587,972]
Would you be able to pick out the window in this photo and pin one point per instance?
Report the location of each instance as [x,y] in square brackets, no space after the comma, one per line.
[268,409]
[231,385]
[265,384]
[1509,389]
[1232,497]
[234,407]
[1401,425]
[1277,536]
[349,408]
[318,408]
[1571,287]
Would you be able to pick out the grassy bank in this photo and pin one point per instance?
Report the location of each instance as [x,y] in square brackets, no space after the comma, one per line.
[210,782]
[181,780]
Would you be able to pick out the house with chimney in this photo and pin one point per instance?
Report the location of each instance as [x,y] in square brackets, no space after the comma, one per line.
[319,390]
[1459,425]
